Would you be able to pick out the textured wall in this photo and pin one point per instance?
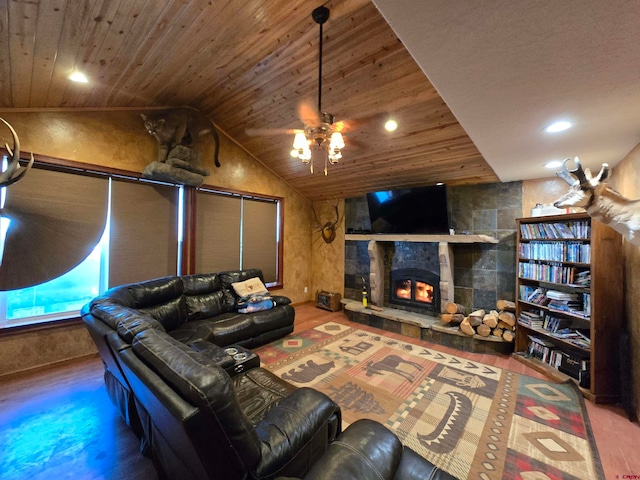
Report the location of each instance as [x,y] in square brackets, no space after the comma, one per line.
[626,179]
[543,191]
[327,264]
[24,351]
[117,139]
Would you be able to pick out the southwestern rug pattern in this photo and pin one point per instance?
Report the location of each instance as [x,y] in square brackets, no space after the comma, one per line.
[470,419]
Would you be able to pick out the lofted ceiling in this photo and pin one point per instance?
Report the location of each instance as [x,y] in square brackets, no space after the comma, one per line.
[249,67]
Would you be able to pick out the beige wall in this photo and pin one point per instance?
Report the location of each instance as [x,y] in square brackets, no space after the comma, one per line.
[327,259]
[544,191]
[117,139]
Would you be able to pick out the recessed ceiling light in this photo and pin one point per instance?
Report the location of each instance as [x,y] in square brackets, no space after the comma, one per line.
[391,125]
[440,183]
[553,164]
[558,127]
[78,77]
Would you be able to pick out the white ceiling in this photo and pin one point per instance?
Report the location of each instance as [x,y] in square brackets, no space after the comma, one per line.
[508,68]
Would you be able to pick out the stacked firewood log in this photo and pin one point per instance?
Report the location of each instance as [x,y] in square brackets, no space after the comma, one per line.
[498,323]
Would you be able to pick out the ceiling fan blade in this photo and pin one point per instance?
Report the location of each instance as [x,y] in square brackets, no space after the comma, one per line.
[308,114]
[257,132]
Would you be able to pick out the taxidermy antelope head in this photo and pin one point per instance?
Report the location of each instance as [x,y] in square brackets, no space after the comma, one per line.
[328,229]
[14,171]
[600,201]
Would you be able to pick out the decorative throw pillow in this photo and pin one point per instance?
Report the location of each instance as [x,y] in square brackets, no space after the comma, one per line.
[253,286]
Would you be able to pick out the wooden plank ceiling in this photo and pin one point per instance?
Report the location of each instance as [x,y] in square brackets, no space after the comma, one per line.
[246,66]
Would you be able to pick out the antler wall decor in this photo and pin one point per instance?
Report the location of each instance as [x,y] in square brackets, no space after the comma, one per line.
[328,229]
[599,200]
[14,171]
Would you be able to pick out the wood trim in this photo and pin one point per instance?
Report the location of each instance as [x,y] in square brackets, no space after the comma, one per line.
[381,237]
[188,265]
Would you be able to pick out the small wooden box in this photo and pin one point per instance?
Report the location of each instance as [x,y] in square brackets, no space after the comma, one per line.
[328,301]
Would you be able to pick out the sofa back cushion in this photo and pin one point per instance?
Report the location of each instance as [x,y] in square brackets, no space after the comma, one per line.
[235,276]
[204,384]
[204,296]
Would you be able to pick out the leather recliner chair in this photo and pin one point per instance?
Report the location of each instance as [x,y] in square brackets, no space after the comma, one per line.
[203,424]
[367,450]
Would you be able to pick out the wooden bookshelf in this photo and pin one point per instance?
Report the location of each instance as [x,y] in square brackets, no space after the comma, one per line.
[551,259]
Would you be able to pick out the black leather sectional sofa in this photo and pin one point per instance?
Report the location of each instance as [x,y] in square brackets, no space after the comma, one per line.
[193,308]
[167,370]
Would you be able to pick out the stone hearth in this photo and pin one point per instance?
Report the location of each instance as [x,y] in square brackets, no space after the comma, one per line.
[423,327]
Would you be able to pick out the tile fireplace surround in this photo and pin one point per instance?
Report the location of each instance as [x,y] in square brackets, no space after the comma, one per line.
[412,324]
[483,272]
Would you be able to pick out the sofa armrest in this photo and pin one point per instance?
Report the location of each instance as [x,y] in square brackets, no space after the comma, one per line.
[366,449]
[296,432]
[414,467]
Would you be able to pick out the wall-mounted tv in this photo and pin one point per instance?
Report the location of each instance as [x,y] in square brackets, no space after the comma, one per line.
[421,210]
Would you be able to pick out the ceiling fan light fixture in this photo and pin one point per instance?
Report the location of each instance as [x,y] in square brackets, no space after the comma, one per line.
[337,142]
[325,136]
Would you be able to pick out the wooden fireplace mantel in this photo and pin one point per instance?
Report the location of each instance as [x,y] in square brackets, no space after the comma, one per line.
[393,237]
[445,255]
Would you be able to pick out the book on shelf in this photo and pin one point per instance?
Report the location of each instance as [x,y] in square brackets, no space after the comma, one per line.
[542,349]
[537,296]
[551,230]
[533,319]
[576,252]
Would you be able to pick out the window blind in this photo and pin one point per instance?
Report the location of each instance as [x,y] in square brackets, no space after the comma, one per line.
[55,221]
[217,232]
[144,231]
[259,237]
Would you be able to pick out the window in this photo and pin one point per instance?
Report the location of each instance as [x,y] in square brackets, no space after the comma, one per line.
[67,234]
[67,293]
[238,231]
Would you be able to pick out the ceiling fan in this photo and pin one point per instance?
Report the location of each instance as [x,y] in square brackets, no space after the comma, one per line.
[320,133]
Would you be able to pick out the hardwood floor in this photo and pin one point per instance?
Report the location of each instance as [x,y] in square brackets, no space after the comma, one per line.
[59,423]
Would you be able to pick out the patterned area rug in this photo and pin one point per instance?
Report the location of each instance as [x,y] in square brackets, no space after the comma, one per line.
[471,419]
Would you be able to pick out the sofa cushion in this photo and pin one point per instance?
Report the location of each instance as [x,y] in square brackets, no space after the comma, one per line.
[155,292]
[235,328]
[202,383]
[130,325]
[201,283]
[207,305]
[205,297]
[112,314]
[366,449]
[235,276]
[171,314]
[258,391]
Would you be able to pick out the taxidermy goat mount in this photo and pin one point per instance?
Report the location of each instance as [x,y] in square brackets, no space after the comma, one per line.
[14,171]
[599,200]
[177,132]
[328,229]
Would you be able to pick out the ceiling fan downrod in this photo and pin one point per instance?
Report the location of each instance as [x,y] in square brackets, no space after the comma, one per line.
[320,15]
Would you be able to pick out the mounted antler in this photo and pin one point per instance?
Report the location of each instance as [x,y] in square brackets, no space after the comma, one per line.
[328,229]
[583,177]
[14,171]
[600,201]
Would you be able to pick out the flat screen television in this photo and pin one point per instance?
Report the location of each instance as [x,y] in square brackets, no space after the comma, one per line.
[421,210]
